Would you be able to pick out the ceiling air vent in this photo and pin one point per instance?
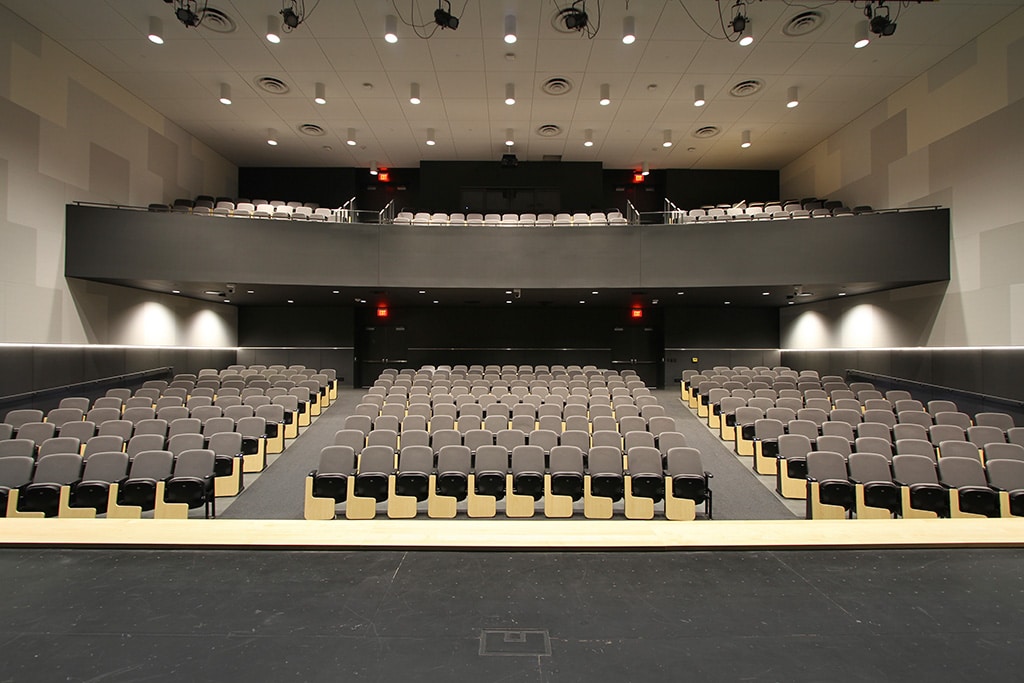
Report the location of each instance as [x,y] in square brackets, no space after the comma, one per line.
[551,157]
[272,85]
[707,132]
[804,23]
[746,88]
[311,129]
[217,21]
[549,130]
[556,86]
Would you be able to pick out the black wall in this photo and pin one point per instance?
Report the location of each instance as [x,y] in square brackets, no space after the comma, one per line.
[328,187]
[719,336]
[689,188]
[35,368]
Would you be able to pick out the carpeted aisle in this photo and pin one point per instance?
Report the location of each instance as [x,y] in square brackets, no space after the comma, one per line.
[278,492]
[738,492]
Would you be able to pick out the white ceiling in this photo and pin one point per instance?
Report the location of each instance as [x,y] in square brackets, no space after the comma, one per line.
[462,76]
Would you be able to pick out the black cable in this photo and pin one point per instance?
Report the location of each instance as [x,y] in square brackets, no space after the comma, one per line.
[703,30]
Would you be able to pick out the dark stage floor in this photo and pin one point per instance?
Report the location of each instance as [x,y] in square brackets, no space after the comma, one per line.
[130,615]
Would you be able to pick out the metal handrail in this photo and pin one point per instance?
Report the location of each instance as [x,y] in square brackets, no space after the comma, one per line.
[387,214]
[673,214]
[632,215]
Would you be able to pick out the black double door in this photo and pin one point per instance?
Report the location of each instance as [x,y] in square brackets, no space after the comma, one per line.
[639,348]
[380,347]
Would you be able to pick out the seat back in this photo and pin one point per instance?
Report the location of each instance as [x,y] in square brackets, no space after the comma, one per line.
[958,472]
[869,467]
[16,470]
[826,465]
[914,469]
[58,468]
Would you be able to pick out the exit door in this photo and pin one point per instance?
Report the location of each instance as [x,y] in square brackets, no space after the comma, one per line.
[640,349]
[380,347]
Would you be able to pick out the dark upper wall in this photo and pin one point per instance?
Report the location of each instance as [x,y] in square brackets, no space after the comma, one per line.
[326,186]
[690,188]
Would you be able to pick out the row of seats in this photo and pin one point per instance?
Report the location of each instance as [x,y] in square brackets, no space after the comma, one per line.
[111,483]
[281,211]
[522,477]
[868,486]
[511,219]
[357,436]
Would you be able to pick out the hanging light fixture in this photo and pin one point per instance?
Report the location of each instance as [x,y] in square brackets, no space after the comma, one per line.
[629,30]
[225,93]
[747,37]
[391,28]
[320,94]
[510,93]
[698,96]
[373,168]
[861,34]
[606,95]
[273,36]
[666,139]
[792,97]
[510,29]
[156,31]
[588,138]
[414,93]
[745,139]
[645,168]
[272,137]
[350,139]
[430,137]
[509,140]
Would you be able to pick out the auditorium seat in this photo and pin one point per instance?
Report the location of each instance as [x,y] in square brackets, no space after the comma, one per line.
[876,496]
[488,480]
[545,220]
[687,484]
[922,496]
[1007,477]
[492,219]
[52,472]
[969,492]
[830,494]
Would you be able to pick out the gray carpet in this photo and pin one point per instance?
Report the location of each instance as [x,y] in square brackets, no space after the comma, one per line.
[278,493]
[739,494]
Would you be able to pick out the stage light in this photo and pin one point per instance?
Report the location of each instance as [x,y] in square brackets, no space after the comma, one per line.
[444,18]
[629,30]
[882,25]
[861,35]
[186,14]
[156,31]
[510,29]
[273,35]
[290,18]
[698,96]
[391,28]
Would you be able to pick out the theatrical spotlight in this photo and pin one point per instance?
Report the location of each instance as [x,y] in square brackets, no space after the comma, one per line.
[187,12]
[881,25]
[575,18]
[444,18]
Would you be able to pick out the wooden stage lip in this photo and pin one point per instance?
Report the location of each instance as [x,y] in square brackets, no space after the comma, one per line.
[538,534]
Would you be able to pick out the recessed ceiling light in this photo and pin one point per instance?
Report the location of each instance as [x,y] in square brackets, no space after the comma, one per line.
[582,301]
[336,292]
[594,292]
[249,291]
[842,293]
[291,301]
[508,291]
[727,303]
[508,301]
[680,293]
[790,303]
[765,293]
[212,292]
[227,301]
[423,291]
[175,291]
[436,301]
[654,302]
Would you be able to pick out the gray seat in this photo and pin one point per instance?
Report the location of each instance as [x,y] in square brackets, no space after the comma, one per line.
[102,469]
[872,471]
[567,469]
[51,473]
[967,476]
[690,480]
[1004,475]
[191,481]
[528,471]
[918,474]
[17,418]
[828,470]
[376,465]
[646,473]
[1003,451]
[15,472]
[415,465]
[144,442]
[99,444]
[330,478]
[490,466]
